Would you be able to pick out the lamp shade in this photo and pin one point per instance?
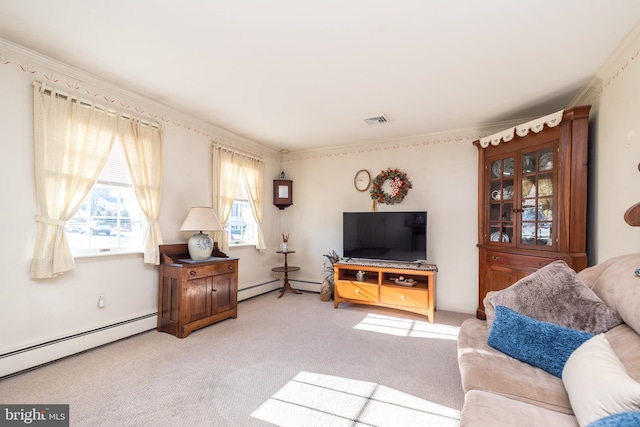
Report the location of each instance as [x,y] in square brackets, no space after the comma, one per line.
[201,218]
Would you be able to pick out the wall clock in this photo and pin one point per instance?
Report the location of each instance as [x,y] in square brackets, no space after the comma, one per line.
[362,180]
[282,193]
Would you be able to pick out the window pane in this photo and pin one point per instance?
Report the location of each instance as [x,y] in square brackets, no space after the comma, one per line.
[107,220]
[110,219]
[241,226]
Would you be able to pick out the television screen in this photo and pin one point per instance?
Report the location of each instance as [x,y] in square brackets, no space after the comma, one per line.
[393,236]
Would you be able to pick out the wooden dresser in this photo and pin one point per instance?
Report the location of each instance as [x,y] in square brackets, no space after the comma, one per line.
[532,199]
[194,294]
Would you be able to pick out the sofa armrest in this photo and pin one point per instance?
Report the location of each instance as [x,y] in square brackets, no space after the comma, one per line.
[489,308]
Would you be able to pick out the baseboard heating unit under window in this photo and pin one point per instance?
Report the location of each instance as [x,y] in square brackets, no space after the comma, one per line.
[23,359]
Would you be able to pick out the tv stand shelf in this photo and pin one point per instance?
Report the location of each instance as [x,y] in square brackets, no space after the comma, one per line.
[378,286]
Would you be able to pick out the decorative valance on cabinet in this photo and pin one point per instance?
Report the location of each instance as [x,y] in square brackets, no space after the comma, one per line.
[536,126]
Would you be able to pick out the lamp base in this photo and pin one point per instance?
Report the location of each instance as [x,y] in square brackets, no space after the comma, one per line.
[200,246]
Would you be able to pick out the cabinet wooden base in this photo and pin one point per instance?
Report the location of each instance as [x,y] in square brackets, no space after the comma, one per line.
[183,331]
[379,287]
[501,269]
[192,295]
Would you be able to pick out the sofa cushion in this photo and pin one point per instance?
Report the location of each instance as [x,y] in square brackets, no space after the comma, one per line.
[623,419]
[486,369]
[625,343]
[489,309]
[616,283]
[556,294]
[597,382]
[541,344]
[482,409]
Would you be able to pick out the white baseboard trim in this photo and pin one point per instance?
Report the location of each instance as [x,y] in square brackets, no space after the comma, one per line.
[305,286]
[274,285]
[256,290]
[40,354]
[36,355]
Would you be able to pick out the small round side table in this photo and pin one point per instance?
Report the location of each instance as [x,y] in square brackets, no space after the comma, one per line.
[286,269]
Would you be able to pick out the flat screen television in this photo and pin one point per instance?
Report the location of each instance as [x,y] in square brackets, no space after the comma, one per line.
[392,236]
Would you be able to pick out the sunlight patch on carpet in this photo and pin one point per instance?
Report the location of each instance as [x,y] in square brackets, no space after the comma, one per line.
[407,327]
[323,400]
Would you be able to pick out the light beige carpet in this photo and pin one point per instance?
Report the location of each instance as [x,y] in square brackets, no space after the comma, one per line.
[291,361]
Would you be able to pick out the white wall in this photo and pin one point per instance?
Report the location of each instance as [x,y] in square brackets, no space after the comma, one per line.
[443,173]
[443,170]
[40,311]
[187,166]
[615,152]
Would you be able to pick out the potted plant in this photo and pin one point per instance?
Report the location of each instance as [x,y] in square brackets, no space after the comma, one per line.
[326,289]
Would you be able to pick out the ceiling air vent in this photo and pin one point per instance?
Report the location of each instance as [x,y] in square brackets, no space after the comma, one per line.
[376,120]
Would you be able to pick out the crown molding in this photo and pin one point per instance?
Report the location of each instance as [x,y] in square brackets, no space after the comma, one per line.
[617,63]
[410,142]
[85,85]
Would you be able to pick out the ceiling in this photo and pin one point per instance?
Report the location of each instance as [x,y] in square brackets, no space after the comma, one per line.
[298,75]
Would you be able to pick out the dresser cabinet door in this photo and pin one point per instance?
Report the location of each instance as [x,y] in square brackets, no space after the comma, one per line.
[498,278]
[223,293]
[197,300]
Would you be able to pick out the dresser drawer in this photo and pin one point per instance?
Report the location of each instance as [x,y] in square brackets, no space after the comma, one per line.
[405,297]
[516,261]
[357,291]
[195,272]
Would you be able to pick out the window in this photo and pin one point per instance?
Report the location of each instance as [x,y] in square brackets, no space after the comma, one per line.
[110,219]
[241,228]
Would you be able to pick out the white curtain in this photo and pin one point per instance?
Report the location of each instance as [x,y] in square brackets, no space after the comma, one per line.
[226,169]
[72,141]
[253,173]
[142,148]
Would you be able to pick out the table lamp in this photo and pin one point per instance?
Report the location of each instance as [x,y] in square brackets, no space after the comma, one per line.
[200,244]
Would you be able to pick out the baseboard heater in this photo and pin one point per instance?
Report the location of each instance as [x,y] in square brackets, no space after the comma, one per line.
[26,358]
[259,289]
[305,285]
[262,288]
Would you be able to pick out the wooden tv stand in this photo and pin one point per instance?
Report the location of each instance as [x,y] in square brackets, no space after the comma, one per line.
[378,287]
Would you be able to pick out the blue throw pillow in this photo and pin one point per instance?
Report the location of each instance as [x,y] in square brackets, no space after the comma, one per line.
[623,419]
[541,344]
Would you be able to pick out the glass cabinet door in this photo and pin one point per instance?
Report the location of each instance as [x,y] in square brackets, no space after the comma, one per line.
[537,201]
[501,200]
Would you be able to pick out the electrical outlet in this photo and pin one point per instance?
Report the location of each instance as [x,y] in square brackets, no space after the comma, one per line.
[101,301]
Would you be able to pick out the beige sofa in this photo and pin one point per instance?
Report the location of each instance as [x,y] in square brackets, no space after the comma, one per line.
[503,391]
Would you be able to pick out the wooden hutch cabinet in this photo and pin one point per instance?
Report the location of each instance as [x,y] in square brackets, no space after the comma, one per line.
[532,199]
[194,294]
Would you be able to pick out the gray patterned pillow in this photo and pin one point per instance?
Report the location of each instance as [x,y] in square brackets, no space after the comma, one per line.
[556,294]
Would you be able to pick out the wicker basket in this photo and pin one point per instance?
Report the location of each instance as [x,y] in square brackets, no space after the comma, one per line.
[325,290]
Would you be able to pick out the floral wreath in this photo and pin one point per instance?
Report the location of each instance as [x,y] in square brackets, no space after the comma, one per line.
[400,186]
